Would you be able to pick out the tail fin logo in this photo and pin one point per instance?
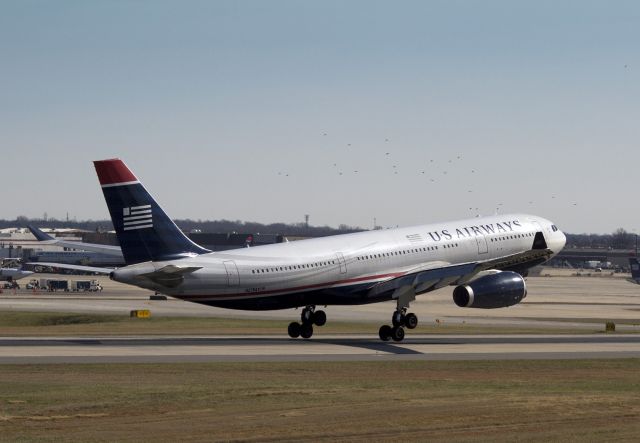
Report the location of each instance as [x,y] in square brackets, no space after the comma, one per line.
[137,217]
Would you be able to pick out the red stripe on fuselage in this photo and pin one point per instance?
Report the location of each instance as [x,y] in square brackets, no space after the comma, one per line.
[113,171]
[297,288]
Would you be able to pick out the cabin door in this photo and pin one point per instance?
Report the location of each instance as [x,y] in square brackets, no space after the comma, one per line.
[342,262]
[233,278]
[483,248]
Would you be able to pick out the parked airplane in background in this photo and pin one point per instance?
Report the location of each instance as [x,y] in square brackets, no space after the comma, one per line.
[484,258]
[634,265]
[13,274]
[9,271]
[45,238]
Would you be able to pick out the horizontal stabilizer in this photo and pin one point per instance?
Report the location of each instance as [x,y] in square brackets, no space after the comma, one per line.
[170,275]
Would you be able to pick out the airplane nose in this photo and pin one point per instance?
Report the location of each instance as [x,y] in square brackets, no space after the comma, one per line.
[557,242]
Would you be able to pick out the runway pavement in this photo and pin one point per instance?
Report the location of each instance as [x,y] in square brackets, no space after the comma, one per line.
[556,299]
[328,348]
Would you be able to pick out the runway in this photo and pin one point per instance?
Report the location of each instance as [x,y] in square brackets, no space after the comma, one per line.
[170,349]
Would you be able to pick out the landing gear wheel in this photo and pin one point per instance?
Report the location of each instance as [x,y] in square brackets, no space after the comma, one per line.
[397,319]
[411,320]
[306,316]
[397,333]
[319,318]
[306,330]
[385,332]
[294,329]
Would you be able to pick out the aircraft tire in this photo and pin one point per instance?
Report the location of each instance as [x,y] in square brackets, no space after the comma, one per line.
[306,316]
[397,319]
[411,320]
[319,318]
[385,332]
[294,329]
[306,330]
[397,333]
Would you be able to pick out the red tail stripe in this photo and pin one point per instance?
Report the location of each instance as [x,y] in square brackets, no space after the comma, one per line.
[113,171]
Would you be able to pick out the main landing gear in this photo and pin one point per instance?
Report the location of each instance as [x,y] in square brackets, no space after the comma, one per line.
[308,318]
[400,319]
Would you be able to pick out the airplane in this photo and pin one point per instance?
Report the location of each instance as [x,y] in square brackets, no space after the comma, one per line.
[485,259]
[10,272]
[13,274]
[634,265]
[45,238]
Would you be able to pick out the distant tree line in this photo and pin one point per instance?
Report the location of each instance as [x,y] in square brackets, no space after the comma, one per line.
[620,239]
[188,225]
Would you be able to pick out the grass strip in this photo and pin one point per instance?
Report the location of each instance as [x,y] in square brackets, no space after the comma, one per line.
[573,400]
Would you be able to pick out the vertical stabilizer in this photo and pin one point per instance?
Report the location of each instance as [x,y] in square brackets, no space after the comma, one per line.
[144,231]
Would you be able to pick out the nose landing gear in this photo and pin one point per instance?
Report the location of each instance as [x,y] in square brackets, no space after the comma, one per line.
[308,318]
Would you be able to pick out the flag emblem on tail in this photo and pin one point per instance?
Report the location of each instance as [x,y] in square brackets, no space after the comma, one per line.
[137,217]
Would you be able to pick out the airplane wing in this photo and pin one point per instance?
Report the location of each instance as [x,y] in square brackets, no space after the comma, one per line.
[436,275]
[92,247]
[95,269]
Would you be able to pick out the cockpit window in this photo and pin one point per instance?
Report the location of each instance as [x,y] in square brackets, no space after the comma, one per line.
[554,228]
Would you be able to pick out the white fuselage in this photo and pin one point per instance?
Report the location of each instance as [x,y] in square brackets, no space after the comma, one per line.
[344,262]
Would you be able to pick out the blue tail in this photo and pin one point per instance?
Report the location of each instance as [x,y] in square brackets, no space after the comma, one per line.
[144,231]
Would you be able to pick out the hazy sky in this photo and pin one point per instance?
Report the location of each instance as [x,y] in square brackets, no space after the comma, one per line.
[221,109]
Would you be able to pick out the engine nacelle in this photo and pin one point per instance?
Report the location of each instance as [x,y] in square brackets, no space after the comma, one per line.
[499,290]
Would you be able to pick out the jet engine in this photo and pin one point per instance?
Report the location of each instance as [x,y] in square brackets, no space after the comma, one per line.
[499,290]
